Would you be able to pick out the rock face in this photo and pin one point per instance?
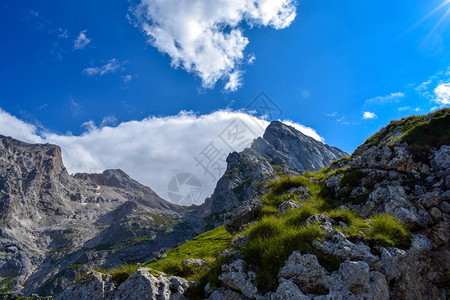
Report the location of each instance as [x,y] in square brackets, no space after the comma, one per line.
[282,150]
[56,226]
[140,285]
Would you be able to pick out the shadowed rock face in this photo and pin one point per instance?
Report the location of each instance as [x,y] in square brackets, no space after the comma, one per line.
[55,226]
[282,150]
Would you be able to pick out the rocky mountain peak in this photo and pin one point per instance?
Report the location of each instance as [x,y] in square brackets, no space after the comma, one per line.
[284,145]
[113,178]
[281,150]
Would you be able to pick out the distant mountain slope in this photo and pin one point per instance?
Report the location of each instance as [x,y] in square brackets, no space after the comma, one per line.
[282,150]
[54,225]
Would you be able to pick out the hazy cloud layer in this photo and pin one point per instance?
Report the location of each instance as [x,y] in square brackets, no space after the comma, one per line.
[205,37]
[155,149]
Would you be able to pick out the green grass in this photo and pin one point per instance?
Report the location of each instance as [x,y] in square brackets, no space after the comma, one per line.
[272,240]
[389,231]
[159,220]
[205,246]
[120,273]
[426,135]
[314,181]
[420,135]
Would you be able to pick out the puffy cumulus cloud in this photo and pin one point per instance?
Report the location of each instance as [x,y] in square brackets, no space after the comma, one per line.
[442,93]
[81,41]
[369,115]
[110,67]
[205,37]
[155,149]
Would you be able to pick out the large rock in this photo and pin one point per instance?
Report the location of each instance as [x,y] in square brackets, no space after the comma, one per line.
[140,285]
[236,276]
[353,280]
[243,214]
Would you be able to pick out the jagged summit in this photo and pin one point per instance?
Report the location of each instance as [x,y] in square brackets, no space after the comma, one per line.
[282,150]
[287,146]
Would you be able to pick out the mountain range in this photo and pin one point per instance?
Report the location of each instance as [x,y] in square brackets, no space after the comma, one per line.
[56,226]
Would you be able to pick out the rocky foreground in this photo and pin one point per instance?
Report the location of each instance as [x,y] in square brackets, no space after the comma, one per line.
[374,225]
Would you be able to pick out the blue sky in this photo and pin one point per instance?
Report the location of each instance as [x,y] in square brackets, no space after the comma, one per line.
[343,68]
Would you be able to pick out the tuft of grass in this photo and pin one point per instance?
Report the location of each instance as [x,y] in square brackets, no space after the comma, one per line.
[271,241]
[389,231]
[284,183]
[297,217]
[120,273]
[349,217]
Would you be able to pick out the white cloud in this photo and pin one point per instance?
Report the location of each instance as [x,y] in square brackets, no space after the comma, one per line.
[62,33]
[127,78]
[393,97]
[305,130]
[206,37]
[152,150]
[405,108]
[234,81]
[11,126]
[369,115]
[442,93]
[110,67]
[81,41]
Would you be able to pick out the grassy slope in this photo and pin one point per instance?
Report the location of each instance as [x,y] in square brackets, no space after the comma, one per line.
[205,246]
